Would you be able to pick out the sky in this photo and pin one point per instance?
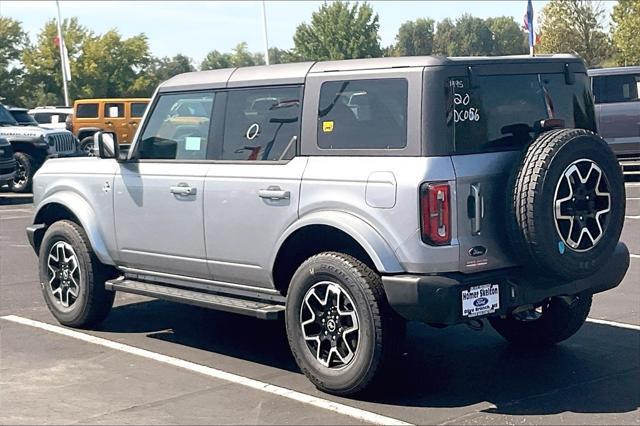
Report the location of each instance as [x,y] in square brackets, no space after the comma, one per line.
[194,28]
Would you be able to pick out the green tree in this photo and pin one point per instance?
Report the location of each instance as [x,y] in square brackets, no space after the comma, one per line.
[444,39]
[626,32]
[43,75]
[165,68]
[339,30]
[216,60]
[415,38]
[111,66]
[575,26]
[13,40]
[472,37]
[508,37]
[281,56]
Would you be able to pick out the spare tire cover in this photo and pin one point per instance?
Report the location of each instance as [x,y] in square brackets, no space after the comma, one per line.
[566,204]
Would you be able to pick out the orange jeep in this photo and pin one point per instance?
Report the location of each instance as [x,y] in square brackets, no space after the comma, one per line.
[120,116]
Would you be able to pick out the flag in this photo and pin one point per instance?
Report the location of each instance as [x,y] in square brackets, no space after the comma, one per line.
[528,23]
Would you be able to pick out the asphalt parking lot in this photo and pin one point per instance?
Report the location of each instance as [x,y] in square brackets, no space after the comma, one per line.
[158,362]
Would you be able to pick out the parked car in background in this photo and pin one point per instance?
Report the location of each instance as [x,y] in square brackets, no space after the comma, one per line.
[7,163]
[22,116]
[616,93]
[51,117]
[348,197]
[119,116]
[32,145]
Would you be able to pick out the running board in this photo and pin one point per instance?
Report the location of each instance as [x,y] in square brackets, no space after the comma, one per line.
[257,309]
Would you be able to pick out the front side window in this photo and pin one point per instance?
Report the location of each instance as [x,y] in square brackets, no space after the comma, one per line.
[363,114]
[87,111]
[178,127]
[616,88]
[262,124]
[138,109]
[114,110]
[6,117]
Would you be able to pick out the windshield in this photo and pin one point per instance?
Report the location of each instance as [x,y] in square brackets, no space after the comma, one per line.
[23,117]
[5,117]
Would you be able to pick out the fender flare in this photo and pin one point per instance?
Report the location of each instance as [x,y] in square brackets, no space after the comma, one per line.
[364,234]
[91,130]
[86,216]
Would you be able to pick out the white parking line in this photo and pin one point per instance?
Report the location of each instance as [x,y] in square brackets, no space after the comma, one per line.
[336,407]
[13,217]
[635,256]
[614,324]
[15,210]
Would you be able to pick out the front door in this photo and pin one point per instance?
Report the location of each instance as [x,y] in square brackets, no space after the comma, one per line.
[159,193]
[251,197]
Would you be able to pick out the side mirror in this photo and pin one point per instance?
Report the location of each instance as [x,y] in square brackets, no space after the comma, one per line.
[106,144]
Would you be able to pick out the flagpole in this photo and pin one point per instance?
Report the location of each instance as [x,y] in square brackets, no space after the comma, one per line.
[62,58]
[264,27]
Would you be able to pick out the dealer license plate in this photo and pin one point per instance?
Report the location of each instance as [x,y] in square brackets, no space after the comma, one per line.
[480,300]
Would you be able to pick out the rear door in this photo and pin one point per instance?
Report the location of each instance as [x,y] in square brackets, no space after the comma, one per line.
[115,120]
[251,194]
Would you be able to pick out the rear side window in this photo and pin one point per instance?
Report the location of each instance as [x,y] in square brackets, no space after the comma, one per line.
[178,127]
[138,109]
[262,124]
[363,114]
[503,112]
[87,111]
[571,102]
[114,110]
[616,88]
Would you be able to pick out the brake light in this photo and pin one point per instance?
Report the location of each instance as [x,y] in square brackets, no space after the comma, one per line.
[435,209]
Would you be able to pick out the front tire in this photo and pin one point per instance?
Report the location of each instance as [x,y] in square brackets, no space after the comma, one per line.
[86,146]
[558,320]
[72,277]
[340,327]
[23,180]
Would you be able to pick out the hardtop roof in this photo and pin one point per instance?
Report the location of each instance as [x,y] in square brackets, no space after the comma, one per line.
[295,73]
[615,71]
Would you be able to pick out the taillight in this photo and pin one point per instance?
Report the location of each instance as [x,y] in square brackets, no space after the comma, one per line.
[435,208]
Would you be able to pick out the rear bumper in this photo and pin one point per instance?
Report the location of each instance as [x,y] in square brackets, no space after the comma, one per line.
[437,299]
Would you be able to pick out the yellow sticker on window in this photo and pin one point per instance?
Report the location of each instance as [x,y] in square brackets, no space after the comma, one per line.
[327,126]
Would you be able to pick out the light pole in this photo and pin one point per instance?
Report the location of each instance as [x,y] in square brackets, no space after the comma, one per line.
[264,27]
[63,65]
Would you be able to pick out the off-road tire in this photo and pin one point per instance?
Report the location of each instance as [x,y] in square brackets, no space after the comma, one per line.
[85,143]
[558,322]
[381,328]
[27,162]
[532,233]
[94,302]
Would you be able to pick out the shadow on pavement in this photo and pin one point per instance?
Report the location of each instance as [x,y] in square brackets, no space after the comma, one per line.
[8,198]
[596,371]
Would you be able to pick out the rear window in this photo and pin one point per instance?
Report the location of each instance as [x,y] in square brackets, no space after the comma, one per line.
[50,117]
[616,88]
[363,114]
[87,111]
[503,112]
[138,109]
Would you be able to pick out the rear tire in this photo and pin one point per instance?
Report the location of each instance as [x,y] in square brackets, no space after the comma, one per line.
[359,296]
[23,181]
[72,277]
[558,322]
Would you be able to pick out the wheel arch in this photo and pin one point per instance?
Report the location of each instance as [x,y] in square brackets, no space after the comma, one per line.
[58,207]
[330,231]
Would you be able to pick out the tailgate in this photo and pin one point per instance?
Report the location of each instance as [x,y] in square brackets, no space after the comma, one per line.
[481,190]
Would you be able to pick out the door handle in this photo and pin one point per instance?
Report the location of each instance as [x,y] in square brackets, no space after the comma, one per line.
[478,209]
[274,193]
[182,189]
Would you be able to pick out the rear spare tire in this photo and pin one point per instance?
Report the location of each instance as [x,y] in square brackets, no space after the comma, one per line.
[566,204]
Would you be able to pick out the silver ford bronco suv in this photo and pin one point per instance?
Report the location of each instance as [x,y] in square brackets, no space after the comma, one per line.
[348,197]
